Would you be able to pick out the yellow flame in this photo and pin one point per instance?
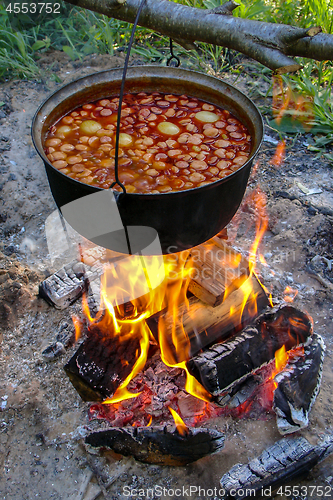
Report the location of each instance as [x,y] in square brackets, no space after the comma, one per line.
[153,283]
[181,427]
[289,294]
[289,104]
[281,359]
[122,393]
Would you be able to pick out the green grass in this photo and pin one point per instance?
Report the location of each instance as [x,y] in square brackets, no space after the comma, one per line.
[78,32]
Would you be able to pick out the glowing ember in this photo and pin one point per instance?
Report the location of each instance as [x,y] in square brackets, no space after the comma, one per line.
[289,294]
[180,425]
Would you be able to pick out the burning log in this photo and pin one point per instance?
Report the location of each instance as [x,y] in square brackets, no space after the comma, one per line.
[280,463]
[158,445]
[215,267]
[241,392]
[298,386]
[205,324]
[101,364]
[224,365]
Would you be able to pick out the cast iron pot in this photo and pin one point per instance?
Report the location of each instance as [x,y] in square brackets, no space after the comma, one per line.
[181,219]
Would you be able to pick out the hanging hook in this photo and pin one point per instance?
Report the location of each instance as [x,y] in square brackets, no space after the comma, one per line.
[173,57]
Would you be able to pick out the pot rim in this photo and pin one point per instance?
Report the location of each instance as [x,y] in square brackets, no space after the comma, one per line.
[148,68]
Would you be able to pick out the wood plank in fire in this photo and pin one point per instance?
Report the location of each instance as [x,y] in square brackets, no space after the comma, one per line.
[204,324]
[216,266]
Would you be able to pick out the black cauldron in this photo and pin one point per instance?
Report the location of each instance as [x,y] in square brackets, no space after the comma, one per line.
[181,219]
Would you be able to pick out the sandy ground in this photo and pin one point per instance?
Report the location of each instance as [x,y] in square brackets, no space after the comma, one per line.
[42,417]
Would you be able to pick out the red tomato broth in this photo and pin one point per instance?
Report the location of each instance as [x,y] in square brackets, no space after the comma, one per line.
[167,143]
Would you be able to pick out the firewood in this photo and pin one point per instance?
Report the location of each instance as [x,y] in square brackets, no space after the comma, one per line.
[241,392]
[298,387]
[101,364]
[204,324]
[223,365]
[158,445]
[65,286]
[282,462]
[215,267]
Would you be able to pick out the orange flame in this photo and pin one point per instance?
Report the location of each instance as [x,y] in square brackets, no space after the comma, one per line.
[291,106]
[289,294]
[258,200]
[281,359]
[155,281]
[279,155]
[77,326]
[135,287]
[181,427]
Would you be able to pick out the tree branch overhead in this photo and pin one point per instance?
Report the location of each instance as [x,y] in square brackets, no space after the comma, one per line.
[273,45]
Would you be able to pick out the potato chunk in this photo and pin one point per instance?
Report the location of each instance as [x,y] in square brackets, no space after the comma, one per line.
[206,117]
[125,139]
[168,128]
[90,127]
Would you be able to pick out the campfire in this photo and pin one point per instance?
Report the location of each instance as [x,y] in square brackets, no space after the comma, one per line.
[188,336]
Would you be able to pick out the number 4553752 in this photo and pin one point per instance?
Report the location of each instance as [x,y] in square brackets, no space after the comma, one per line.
[33,8]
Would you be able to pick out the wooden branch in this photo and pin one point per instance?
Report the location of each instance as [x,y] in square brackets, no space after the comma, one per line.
[225,9]
[268,43]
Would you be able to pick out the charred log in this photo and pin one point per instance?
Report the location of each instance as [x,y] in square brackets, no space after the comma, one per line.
[158,445]
[224,365]
[298,387]
[204,324]
[64,287]
[101,364]
[241,392]
[282,462]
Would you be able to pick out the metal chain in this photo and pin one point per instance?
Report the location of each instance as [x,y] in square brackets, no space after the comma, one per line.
[121,95]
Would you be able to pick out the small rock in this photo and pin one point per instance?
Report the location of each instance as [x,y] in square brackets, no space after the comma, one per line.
[53,351]
[9,250]
[312,211]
